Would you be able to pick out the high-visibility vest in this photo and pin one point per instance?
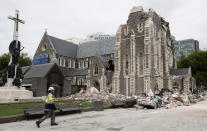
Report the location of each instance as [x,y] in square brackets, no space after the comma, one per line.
[50,98]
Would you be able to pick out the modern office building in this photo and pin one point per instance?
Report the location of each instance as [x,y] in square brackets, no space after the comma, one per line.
[185,47]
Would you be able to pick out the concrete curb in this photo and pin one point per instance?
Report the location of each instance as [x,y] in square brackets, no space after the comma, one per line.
[8,119]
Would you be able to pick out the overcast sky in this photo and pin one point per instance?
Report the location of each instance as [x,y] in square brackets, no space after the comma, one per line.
[78,18]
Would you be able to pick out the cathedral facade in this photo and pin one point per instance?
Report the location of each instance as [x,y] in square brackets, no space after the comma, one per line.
[143,54]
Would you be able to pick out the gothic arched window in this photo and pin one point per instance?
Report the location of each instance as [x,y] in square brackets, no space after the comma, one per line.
[96,70]
[80,82]
[80,64]
[140,27]
[85,65]
[66,63]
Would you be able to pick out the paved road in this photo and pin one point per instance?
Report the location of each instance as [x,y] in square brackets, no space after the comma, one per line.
[188,118]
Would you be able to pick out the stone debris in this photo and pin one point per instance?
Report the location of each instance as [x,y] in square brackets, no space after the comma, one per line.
[127,103]
[92,94]
[169,99]
[165,99]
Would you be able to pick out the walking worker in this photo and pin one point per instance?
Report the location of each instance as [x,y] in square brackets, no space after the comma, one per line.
[49,108]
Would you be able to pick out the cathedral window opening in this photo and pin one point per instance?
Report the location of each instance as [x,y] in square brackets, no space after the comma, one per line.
[85,65]
[140,27]
[127,64]
[96,70]
[80,82]
[44,47]
[89,63]
[66,63]
[175,85]
[63,62]
[48,58]
[80,64]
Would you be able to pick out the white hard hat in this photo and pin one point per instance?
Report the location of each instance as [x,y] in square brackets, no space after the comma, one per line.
[51,88]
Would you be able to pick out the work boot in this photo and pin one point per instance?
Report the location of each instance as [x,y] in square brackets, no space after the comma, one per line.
[38,124]
[54,124]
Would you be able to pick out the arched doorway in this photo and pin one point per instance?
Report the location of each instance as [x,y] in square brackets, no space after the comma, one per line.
[97,85]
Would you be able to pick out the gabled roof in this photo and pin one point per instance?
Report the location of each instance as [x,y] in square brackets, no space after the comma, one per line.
[37,70]
[180,71]
[68,72]
[101,47]
[87,49]
[63,47]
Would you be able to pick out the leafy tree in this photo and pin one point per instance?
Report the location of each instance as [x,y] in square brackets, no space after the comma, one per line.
[198,63]
[24,60]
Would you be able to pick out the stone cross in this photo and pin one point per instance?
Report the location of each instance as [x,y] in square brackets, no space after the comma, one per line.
[14,72]
[16,23]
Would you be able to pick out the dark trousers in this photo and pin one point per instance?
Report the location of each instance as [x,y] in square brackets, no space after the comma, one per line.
[47,115]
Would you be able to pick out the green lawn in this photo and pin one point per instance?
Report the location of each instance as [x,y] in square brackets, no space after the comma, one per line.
[18,108]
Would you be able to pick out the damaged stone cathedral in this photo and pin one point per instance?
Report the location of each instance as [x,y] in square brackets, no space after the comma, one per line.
[144,56]
[140,59]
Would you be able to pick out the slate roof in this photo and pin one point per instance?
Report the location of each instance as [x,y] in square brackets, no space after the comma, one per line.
[25,69]
[180,71]
[63,47]
[83,50]
[37,70]
[68,72]
[101,47]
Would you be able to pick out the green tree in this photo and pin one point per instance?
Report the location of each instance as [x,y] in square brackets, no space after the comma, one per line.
[24,60]
[198,63]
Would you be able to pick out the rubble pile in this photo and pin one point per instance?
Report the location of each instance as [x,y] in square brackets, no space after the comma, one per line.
[169,99]
[93,94]
[182,99]
[164,99]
